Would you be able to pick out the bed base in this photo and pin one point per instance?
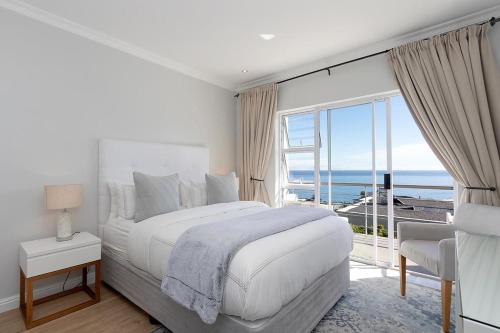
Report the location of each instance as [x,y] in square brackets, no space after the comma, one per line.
[300,315]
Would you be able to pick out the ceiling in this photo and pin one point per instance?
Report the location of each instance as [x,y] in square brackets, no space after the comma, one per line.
[220,38]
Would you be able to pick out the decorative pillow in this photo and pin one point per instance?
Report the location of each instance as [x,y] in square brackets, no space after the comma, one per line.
[155,195]
[193,194]
[198,194]
[221,188]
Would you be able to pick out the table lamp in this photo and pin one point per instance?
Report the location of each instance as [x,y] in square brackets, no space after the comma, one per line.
[63,197]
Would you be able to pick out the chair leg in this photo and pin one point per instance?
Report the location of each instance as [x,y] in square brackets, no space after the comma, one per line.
[402,274]
[446,304]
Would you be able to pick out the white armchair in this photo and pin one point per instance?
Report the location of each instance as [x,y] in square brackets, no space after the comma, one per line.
[432,246]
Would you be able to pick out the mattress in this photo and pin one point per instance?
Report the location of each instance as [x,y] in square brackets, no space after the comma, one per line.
[265,274]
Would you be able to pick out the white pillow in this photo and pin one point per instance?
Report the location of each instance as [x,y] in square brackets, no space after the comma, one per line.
[128,201]
[114,200]
[184,194]
[193,194]
[122,201]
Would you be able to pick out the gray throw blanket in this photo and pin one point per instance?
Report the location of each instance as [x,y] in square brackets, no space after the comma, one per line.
[200,259]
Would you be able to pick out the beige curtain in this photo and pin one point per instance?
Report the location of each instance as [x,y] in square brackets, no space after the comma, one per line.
[258,110]
[451,84]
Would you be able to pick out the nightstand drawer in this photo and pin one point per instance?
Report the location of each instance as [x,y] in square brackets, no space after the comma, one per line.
[55,261]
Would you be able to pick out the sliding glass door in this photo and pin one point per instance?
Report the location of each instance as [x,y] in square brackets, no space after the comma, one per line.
[360,160]
[336,158]
[366,160]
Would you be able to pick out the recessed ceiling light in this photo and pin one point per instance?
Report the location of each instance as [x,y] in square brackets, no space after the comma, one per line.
[267,36]
[244,70]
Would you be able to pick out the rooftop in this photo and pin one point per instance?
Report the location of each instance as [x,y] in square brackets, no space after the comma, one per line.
[405,207]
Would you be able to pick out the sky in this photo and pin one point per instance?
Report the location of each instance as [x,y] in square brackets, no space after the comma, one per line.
[352,139]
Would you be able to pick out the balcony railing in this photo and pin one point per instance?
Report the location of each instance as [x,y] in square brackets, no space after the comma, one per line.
[348,209]
[359,211]
[310,185]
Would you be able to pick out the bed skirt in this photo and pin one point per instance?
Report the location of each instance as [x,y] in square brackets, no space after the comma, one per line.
[300,315]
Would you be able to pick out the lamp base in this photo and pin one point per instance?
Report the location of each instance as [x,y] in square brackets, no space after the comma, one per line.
[63,239]
[64,232]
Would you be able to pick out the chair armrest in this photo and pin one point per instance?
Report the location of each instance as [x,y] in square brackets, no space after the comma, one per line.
[424,231]
[447,259]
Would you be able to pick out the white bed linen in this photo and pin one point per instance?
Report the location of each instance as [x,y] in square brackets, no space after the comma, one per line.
[115,235]
[264,275]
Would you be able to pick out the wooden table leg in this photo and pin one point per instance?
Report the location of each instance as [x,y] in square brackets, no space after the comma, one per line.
[22,289]
[97,284]
[29,303]
[446,304]
[402,275]
[84,277]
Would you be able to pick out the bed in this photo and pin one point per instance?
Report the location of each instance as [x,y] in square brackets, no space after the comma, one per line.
[285,282]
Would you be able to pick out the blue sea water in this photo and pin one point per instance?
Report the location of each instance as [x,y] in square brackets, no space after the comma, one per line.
[347,194]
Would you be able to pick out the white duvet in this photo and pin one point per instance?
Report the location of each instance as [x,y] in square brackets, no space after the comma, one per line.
[264,275]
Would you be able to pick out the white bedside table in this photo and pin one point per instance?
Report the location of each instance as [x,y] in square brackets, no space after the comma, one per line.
[47,257]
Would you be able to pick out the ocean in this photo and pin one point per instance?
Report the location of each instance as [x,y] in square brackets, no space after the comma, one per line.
[346,194]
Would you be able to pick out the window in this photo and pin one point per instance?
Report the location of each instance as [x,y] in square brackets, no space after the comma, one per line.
[337,156]
[298,153]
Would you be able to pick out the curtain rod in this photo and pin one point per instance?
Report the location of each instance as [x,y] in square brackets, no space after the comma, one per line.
[492,189]
[491,21]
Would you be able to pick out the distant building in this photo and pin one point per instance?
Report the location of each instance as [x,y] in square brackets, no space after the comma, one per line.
[405,209]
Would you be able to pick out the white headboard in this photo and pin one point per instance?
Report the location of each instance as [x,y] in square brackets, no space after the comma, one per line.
[118,159]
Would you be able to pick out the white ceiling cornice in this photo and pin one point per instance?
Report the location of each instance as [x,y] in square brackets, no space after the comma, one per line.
[38,14]
[377,47]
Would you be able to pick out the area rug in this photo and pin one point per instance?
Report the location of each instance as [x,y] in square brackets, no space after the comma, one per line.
[373,304]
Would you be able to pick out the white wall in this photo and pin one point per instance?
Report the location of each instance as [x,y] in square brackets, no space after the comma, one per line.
[361,78]
[59,94]
[366,77]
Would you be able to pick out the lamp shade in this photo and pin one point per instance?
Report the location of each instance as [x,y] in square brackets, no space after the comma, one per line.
[63,196]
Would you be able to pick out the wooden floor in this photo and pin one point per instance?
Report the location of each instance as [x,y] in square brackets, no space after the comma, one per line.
[113,314]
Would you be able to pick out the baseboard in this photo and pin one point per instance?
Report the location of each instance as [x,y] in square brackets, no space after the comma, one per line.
[12,302]
[9,303]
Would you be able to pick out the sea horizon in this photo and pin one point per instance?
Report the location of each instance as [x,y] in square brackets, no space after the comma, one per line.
[347,194]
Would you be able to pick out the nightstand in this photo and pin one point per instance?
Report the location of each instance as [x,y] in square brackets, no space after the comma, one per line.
[43,258]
